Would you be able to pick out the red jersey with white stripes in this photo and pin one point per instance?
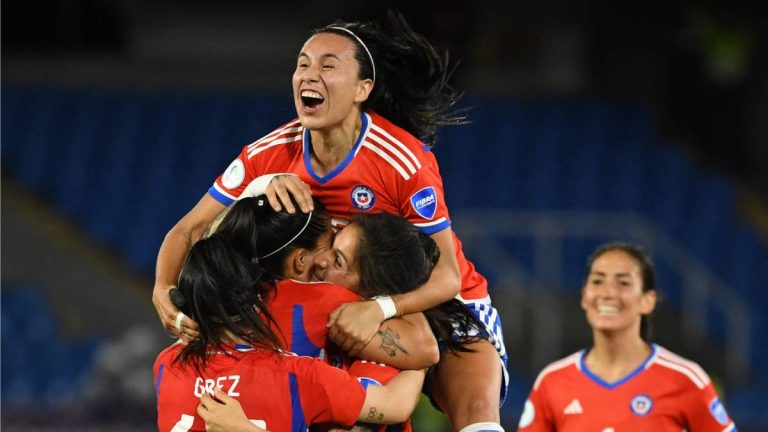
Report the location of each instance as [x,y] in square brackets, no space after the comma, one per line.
[277,391]
[666,393]
[387,170]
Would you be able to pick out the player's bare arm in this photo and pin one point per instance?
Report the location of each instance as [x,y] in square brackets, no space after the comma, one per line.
[405,343]
[354,325]
[170,258]
[395,401]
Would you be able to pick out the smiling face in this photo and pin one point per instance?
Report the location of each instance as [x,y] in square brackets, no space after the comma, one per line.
[326,85]
[613,296]
[338,264]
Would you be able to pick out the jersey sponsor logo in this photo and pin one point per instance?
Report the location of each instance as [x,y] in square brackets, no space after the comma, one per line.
[425,202]
[529,413]
[573,408]
[234,175]
[362,197]
[641,405]
[717,410]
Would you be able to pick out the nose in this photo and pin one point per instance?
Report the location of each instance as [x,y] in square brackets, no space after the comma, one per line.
[310,74]
[608,289]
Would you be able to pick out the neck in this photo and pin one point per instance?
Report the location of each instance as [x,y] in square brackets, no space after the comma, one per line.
[614,356]
[330,147]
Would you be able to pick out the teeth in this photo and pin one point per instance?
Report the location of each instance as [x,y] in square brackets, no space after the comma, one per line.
[607,309]
[311,94]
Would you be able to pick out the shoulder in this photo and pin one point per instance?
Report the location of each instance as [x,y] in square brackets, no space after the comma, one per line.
[686,369]
[554,369]
[288,133]
[395,146]
[168,354]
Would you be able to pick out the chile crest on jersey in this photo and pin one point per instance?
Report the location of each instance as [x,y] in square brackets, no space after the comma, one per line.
[641,404]
[362,197]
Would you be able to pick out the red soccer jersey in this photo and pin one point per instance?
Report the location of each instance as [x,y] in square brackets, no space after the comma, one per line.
[387,170]
[666,393]
[370,374]
[301,310]
[279,392]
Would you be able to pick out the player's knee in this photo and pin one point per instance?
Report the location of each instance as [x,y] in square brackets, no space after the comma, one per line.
[483,427]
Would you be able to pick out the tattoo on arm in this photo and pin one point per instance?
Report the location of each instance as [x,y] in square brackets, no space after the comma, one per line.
[374,414]
[390,342]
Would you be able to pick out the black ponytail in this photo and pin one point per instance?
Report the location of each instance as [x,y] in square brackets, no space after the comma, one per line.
[222,291]
[412,86]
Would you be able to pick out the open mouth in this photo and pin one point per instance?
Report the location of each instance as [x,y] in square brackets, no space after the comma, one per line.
[607,310]
[311,99]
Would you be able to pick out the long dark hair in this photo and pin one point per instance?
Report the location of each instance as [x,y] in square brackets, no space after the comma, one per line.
[221,290]
[647,273]
[412,86]
[263,235]
[394,257]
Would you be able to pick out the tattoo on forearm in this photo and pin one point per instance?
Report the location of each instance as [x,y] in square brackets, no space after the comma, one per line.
[374,414]
[390,342]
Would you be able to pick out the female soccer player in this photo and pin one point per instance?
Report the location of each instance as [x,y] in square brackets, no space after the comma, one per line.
[367,98]
[623,382]
[301,304]
[366,265]
[237,352]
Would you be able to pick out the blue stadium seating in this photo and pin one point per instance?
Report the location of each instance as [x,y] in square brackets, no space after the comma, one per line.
[126,165]
[38,367]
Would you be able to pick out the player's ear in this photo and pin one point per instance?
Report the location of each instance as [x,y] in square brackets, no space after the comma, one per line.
[648,302]
[364,88]
[300,260]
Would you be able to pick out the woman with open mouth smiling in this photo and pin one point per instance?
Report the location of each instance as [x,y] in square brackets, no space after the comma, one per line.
[369,101]
[623,382]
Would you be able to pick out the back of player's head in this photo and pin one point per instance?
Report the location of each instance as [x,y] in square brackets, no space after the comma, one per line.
[647,273]
[393,256]
[267,236]
[411,86]
[222,291]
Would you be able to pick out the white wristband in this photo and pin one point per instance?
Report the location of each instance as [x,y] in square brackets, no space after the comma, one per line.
[387,305]
[258,186]
[179,317]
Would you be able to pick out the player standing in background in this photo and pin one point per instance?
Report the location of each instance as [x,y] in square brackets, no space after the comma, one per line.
[238,353]
[624,382]
[367,98]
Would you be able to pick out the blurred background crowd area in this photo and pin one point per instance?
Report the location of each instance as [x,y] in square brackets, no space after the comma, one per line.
[592,121]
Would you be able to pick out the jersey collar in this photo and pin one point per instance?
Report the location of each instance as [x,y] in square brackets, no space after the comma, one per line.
[600,381]
[306,145]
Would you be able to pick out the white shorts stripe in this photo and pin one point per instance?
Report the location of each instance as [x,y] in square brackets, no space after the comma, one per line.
[488,315]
